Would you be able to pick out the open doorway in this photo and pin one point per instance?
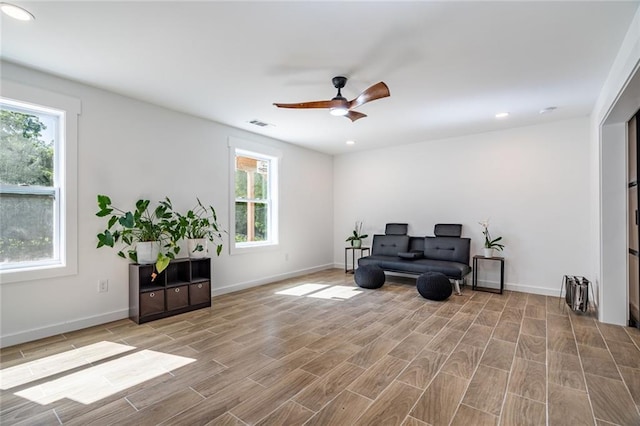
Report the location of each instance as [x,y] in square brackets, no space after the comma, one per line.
[633,142]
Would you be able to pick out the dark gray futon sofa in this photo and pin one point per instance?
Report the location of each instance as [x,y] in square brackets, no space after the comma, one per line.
[446,252]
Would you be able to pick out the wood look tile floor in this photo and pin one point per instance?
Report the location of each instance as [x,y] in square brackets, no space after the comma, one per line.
[318,350]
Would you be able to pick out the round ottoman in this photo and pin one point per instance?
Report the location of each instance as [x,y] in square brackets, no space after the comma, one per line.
[434,286]
[369,276]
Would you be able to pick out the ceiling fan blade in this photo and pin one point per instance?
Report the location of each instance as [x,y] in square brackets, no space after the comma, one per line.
[313,104]
[355,115]
[377,91]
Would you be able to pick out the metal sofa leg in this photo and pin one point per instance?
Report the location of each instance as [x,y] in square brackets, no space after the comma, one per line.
[456,284]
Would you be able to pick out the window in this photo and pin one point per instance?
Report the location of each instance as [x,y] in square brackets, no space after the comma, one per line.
[37,196]
[254,206]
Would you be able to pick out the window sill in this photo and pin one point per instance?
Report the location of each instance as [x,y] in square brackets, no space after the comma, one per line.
[252,248]
[37,273]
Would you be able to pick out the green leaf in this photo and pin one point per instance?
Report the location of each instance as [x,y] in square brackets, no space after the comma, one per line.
[104,212]
[127,220]
[112,221]
[218,249]
[103,201]
[162,262]
[105,239]
[121,254]
[141,205]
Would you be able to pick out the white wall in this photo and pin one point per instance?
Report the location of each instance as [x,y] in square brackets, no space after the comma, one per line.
[617,102]
[532,182]
[130,149]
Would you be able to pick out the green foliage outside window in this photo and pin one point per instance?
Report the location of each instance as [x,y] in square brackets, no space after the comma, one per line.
[259,175]
[25,159]
[26,220]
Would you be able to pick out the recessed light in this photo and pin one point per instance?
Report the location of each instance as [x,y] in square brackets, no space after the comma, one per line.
[350,142]
[548,109]
[16,12]
[502,114]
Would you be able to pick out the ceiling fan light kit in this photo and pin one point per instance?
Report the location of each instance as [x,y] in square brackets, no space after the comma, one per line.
[16,12]
[339,111]
[339,106]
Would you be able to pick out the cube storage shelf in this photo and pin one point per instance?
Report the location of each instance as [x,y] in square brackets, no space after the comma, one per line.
[184,286]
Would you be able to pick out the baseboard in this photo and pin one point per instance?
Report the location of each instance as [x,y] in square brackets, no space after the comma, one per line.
[60,328]
[493,284]
[267,280]
[544,291]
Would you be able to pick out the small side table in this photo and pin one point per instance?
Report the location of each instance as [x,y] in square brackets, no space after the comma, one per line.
[353,257]
[475,274]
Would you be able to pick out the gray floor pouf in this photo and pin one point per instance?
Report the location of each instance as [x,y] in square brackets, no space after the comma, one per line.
[369,276]
[434,286]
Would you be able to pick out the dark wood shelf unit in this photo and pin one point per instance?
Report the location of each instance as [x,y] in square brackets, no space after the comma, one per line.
[200,271]
[145,289]
[184,286]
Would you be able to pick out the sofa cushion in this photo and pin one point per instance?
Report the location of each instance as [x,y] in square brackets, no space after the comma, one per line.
[454,270]
[389,245]
[447,248]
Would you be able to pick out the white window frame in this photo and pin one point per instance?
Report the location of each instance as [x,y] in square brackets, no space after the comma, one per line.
[250,149]
[66,170]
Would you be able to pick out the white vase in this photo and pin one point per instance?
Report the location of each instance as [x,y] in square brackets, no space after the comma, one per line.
[147,252]
[193,245]
[356,243]
[488,252]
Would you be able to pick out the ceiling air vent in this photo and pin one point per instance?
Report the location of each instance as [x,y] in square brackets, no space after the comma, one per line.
[259,123]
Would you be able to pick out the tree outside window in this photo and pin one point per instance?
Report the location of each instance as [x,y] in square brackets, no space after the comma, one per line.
[252,199]
[27,186]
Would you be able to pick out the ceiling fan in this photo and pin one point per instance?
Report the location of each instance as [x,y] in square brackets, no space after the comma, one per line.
[339,105]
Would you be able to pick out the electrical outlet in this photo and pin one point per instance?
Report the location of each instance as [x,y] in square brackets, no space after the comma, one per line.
[103,286]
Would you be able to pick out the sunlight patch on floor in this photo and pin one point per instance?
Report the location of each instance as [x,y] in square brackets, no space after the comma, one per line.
[94,383]
[58,363]
[322,291]
[302,289]
[337,292]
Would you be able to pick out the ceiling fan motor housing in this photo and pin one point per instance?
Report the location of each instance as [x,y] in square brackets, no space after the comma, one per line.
[339,82]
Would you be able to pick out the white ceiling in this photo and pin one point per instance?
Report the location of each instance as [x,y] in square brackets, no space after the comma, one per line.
[450,66]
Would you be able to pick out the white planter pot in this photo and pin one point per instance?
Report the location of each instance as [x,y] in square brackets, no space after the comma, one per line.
[487,252]
[192,246]
[148,252]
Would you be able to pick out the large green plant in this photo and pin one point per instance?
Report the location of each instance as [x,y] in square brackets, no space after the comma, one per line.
[140,225]
[200,222]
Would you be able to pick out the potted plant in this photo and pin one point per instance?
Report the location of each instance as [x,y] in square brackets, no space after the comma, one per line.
[148,236]
[200,226]
[489,244]
[357,237]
